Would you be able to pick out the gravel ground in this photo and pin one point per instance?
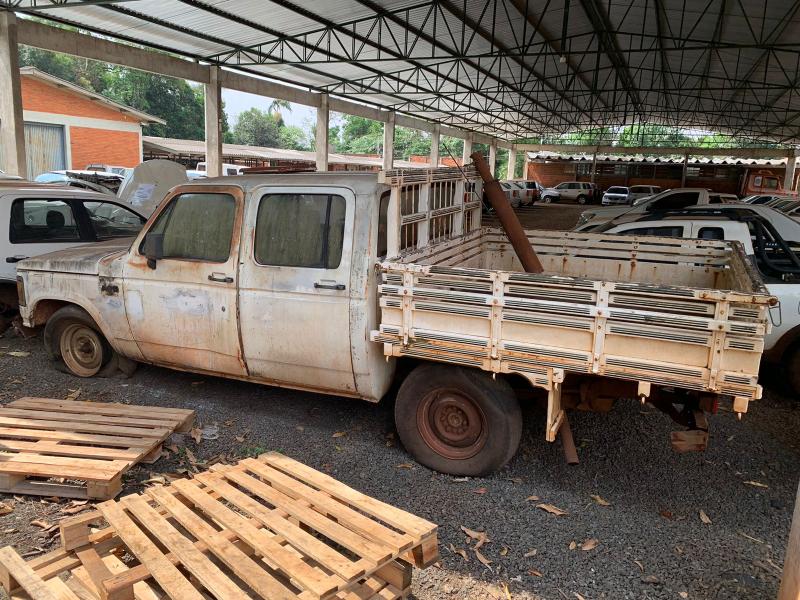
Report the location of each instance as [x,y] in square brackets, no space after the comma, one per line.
[651,542]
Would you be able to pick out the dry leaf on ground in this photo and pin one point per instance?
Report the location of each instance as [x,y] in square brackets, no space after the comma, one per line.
[534,573]
[641,566]
[530,554]
[704,517]
[480,491]
[599,500]
[573,545]
[505,589]
[531,498]
[42,524]
[590,544]
[245,433]
[473,534]
[482,558]
[505,550]
[578,596]
[515,479]
[751,538]
[300,428]
[405,466]
[552,509]
[462,553]
[73,395]
[756,483]
[6,508]
[197,435]
[339,434]
[19,354]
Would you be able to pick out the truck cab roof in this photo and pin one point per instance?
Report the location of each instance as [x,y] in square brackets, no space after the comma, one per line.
[360,182]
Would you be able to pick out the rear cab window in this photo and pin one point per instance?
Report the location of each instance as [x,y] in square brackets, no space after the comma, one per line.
[110,220]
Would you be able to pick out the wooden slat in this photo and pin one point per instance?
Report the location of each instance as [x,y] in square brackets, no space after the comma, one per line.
[161,568]
[56,449]
[345,515]
[237,561]
[24,576]
[27,413]
[297,537]
[341,535]
[77,426]
[197,563]
[111,467]
[395,517]
[153,412]
[44,470]
[66,436]
[311,579]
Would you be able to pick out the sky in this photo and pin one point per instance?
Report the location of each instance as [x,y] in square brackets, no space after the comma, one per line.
[237,102]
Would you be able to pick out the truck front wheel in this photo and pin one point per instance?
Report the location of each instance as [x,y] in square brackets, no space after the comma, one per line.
[458,421]
[72,337]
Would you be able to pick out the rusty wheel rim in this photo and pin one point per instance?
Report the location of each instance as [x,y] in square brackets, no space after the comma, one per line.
[81,350]
[452,424]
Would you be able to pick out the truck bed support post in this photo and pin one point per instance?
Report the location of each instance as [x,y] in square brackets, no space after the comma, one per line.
[790,581]
[508,219]
[323,134]
[213,109]
[388,142]
[12,132]
[435,139]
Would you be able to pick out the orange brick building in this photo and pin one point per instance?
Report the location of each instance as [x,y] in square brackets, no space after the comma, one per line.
[68,127]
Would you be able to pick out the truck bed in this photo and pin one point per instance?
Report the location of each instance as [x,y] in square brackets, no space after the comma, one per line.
[687,314]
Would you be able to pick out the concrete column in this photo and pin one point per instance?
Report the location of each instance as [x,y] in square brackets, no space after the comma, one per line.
[512,162]
[213,106]
[788,176]
[594,164]
[435,139]
[388,142]
[685,166]
[323,133]
[526,167]
[12,127]
[493,157]
[465,156]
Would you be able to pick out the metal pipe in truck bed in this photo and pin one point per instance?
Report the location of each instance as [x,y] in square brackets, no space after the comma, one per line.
[508,219]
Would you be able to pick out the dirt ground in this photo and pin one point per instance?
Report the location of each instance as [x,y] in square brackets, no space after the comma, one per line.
[650,539]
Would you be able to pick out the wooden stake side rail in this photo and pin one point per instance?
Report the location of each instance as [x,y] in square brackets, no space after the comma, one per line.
[91,442]
[268,527]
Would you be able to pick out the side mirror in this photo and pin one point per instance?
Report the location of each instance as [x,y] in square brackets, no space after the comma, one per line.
[153,248]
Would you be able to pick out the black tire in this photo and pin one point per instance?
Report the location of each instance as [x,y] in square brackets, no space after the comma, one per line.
[71,329]
[548,199]
[484,412]
[582,199]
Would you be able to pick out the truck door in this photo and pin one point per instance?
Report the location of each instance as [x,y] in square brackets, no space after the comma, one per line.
[183,312]
[294,291]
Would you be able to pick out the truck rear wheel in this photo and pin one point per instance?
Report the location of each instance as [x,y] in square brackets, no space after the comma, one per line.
[791,367]
[73,338]
[458,421]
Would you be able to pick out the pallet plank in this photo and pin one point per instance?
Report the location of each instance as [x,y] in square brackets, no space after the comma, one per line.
[163,571]
[197,563]
[80,427]
[395,517]
[121,421]
[67,436]
[308,577]
[18,574]
[236,560]
[297,537]
[341,535]
[345,515]
[55,449]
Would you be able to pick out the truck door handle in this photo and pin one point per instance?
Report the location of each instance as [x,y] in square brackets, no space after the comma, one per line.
[15,259]
[322,286]
[221,277]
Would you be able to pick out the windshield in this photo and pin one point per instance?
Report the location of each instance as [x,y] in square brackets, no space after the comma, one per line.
[50,177]
[617,190]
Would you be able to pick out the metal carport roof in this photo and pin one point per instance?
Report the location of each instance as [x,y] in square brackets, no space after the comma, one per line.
[512,69]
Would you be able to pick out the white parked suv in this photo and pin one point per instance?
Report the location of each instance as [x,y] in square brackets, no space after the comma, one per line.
[577,191]
[643,191]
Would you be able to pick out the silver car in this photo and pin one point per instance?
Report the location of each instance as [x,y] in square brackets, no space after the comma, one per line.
[617,195]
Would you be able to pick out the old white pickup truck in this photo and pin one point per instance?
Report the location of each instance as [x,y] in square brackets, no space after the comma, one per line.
[342,282]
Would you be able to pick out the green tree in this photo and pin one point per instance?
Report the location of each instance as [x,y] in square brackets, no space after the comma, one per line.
[294,138]
[256,128]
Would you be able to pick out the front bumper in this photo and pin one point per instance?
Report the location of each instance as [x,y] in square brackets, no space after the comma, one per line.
[613,201]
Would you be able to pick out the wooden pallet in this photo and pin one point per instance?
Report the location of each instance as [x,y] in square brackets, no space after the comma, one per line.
[266,528]
[93,443]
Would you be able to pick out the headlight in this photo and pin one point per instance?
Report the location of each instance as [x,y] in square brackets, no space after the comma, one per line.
[21,290]
[583,219]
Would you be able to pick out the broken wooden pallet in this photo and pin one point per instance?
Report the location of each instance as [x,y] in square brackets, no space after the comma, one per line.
[270,528]
[93,443]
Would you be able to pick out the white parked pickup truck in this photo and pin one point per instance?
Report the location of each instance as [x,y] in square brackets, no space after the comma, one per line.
[341,282]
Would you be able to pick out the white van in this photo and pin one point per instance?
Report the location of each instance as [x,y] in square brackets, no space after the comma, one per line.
[226,168]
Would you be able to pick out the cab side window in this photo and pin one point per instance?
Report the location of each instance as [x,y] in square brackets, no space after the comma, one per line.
[678,200]
[675,231]
[300,230]
[197,227]
[40,221]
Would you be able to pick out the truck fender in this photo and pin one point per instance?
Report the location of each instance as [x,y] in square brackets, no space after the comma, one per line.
[44,308]
[786,341]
